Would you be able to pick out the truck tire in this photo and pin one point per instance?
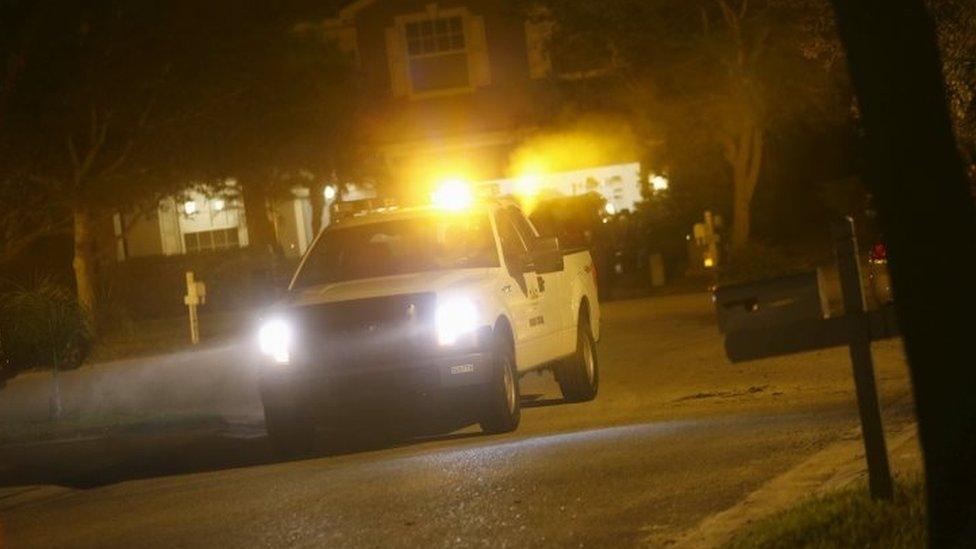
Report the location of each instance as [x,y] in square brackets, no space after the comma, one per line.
[290,430]
[579,375]
[502,409]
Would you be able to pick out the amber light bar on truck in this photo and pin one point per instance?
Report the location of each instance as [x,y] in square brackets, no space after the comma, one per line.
[354,208]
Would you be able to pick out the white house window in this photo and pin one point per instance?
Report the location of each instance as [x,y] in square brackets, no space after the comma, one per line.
[437,54]
[205,241]
[443,35]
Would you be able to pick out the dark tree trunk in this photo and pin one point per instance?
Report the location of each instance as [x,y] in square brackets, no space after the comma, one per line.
[83,261]
[929,220]
[260,233]
[745,158]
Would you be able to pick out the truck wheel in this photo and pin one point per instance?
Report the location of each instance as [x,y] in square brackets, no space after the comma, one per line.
[579,375]
[291,432]
[502,407]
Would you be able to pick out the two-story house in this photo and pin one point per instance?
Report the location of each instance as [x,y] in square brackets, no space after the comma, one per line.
[451,83]
[458,87]
[454,88]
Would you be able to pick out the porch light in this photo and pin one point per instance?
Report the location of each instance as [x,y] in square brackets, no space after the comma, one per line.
[659,182]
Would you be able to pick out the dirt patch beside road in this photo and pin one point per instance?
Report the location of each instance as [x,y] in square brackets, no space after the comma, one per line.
[664,357]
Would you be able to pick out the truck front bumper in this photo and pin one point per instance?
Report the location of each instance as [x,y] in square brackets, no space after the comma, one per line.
[453,377]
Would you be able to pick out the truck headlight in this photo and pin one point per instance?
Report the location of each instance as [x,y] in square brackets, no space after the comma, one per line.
[454,318]
[274,339]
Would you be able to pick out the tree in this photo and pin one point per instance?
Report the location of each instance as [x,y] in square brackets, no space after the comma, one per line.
[928,215]
[711,73]
[114,105]
[282,99]
[955,24]
[83,129]
[23,216]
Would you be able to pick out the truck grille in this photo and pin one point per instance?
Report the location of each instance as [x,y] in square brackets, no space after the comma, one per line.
[378,330]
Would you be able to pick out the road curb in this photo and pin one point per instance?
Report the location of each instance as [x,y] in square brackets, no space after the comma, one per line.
[830,469]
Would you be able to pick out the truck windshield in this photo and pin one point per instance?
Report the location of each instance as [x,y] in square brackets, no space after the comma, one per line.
[400,247]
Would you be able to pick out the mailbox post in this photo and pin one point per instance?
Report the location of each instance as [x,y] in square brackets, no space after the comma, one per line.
[875,449]
[196,295]
[707,239]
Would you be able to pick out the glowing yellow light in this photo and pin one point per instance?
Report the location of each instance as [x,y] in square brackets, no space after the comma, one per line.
[190,207]
[453,194]
[709,262]
[219,205]
[659,183]
[609,208]
[527,185]
[330,192]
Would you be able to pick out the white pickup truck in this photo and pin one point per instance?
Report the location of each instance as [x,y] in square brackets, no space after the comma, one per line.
[420,304]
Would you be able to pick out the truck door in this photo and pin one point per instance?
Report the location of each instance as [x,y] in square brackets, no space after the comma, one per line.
[553,297]
[521,294]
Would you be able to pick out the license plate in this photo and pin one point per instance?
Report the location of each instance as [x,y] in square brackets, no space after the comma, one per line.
[462,369]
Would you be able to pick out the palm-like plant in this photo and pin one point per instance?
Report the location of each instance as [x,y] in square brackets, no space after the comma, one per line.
[42,327]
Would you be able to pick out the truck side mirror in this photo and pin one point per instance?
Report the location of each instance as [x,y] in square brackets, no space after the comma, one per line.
[547,257]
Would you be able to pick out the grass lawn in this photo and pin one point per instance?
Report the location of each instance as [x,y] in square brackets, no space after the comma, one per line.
[848,518]
[101,425]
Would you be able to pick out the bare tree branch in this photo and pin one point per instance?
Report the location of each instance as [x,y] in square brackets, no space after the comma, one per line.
[21,229]
[72,152]
[98,131]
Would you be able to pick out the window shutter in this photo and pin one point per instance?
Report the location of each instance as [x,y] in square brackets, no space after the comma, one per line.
[396,55]
[537,35]
[478,53]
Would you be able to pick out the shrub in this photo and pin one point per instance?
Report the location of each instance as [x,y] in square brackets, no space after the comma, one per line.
[758,262]
[42,328]
[153,287]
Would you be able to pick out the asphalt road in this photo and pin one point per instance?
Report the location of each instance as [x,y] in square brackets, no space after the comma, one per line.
[677,433]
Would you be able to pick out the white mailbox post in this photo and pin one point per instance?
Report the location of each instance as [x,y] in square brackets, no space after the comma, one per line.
[196,295]
[707,239]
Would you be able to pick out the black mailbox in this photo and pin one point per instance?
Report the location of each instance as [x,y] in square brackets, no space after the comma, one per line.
[769,303]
